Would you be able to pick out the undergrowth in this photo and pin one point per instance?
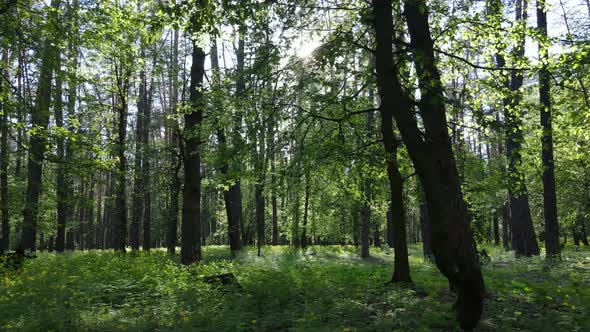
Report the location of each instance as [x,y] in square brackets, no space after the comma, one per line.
[321,289]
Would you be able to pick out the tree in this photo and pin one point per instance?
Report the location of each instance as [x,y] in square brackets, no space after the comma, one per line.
[524,241]
[549,193]
[191,196]
[37,144]
[451,238]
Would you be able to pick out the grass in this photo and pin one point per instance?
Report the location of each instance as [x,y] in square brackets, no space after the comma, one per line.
[324,289]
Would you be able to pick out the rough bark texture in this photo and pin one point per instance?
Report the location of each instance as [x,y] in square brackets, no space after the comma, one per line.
[452,240]
[191,195]
[549,195]
[37,142]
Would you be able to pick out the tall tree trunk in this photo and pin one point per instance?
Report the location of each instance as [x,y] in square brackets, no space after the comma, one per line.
[147,197]
[138,190]
[233,223]
[524,241]
[37,142]
[62,190]
[452,240]
[173,131]
[235,190]
[304,233]
[549,195]
[4,210]
[191,196]
[119,219]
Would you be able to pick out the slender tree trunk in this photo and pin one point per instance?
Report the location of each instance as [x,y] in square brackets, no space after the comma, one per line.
[120,210]
[366,219]
[37,142]
[389,231]
[191,196]
[549,195]
[496,227]
[4,210]
[138,190]
[304,229]
[174,147]
[452,240]
[260,224]
[147,196]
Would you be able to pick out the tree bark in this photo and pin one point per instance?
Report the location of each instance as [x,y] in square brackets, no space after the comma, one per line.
[452,240]
[549,195]
[401,264]
[191,196]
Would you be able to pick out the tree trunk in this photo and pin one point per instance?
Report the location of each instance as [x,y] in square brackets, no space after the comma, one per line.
[145,172]
[496,227]
[425,227]
[389,220]
[260,224]
[37,142]
[119,219]
[137,208]
[4,210]
[524,241]
[191,196]
[366,219]
[549,195]
[401,264]
[173,131]
[452,240]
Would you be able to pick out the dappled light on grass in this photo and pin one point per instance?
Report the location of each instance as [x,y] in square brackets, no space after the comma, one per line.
[325,288]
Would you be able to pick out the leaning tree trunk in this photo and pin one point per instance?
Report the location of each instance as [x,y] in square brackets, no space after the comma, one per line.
[431,152]
[549,195]
[191,195]
[38,141]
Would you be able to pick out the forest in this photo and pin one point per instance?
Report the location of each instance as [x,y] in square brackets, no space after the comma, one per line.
[294,165]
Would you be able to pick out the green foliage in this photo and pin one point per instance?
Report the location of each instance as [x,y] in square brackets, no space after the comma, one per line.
[326,288]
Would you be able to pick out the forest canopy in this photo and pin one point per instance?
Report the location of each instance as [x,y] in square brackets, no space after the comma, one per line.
[414,134]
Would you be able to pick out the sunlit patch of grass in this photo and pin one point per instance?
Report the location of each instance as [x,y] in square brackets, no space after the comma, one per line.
[319,289]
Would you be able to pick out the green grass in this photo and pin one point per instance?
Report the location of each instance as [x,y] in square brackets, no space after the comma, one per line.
[325,289]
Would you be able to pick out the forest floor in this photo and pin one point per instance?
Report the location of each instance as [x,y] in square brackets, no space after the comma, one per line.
[323,289]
